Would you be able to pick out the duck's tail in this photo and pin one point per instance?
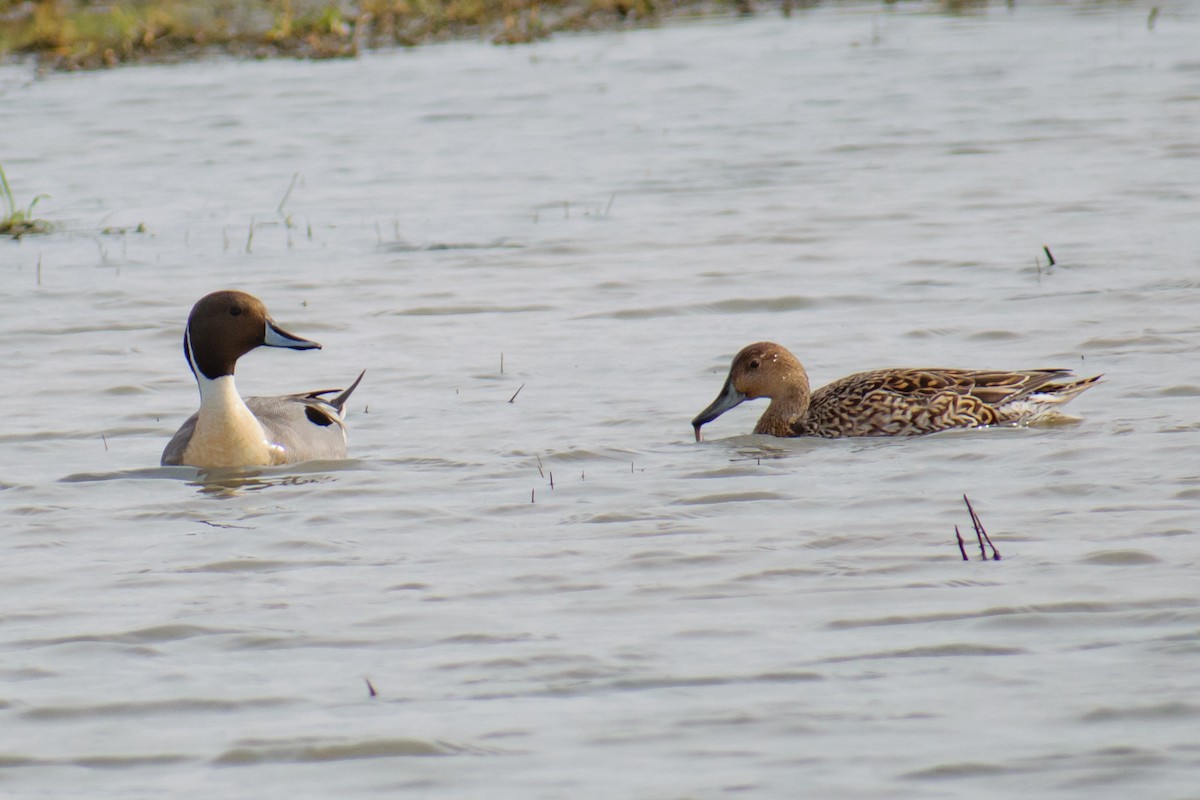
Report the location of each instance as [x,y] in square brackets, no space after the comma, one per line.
[339,400]
[1043,404]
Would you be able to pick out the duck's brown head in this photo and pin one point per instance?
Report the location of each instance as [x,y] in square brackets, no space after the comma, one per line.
[763,369]
[225,325]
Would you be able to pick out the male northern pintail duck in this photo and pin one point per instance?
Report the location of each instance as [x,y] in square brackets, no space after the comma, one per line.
[886,402]
[228,431]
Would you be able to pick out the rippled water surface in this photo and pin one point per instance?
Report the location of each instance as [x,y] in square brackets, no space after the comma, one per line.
[544,258]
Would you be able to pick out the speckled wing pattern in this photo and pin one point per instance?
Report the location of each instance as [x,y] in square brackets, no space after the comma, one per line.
[893,402]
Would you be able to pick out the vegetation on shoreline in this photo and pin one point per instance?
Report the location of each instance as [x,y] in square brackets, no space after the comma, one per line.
[80,34]
[16,221]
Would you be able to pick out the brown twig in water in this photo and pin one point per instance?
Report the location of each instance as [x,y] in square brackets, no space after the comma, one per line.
[105,440]
[371,688]
[517,392]
[978,527]
[552,480]
[962,548]
[1049,255]
[540,473]
[531,493]
[980,533]
[995,552]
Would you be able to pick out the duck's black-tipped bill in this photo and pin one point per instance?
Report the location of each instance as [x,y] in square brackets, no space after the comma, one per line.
[727,399]
[278,337]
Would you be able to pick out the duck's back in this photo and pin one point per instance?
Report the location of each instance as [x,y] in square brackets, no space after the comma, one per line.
[898,402]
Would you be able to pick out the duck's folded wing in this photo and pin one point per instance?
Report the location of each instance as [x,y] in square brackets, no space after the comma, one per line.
[304,425]
[994,387]
[172,455]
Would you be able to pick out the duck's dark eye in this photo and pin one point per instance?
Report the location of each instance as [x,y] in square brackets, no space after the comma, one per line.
[754,364]
[236,311]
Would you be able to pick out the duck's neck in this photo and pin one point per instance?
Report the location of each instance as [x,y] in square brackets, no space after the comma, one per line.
[227,432]
[787,407]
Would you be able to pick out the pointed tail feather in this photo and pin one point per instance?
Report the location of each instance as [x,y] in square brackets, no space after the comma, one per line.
[339,402]
[1042,405]
[1059,393]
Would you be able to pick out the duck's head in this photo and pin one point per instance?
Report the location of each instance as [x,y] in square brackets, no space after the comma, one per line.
[763,369]
[225,325]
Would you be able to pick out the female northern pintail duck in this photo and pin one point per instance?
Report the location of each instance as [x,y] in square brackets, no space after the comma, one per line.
[886,402]
[228,431]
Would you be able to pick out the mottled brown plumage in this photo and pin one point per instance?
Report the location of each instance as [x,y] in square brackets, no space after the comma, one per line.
[886,402]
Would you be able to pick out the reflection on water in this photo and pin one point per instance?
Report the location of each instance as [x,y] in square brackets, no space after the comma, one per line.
[546,256]
[230,486]
[231,481]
